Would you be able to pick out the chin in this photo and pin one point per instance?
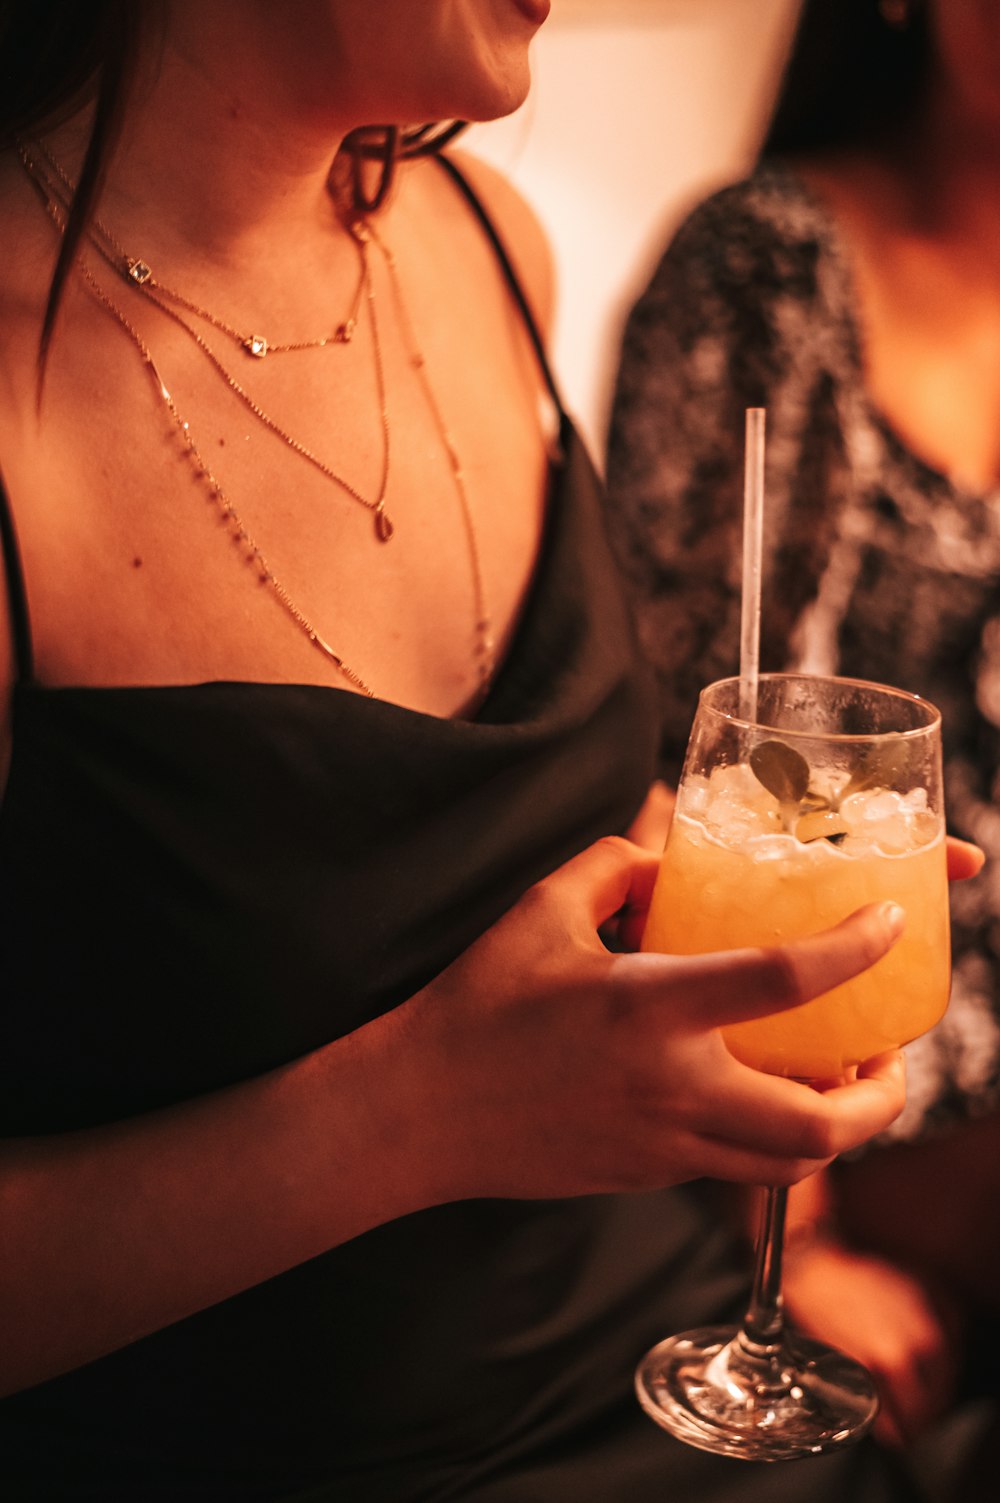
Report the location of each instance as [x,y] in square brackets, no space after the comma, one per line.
[492,92]
[496,105]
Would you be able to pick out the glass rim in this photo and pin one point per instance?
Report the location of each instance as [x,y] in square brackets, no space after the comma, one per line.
[932,723]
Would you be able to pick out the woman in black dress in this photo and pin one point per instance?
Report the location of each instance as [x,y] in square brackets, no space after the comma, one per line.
[850,286]
[320,1091]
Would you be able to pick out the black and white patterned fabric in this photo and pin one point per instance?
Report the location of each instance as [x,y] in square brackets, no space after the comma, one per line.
[877,565]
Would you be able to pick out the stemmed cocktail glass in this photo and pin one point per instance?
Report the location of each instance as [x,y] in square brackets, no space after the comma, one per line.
[826,799]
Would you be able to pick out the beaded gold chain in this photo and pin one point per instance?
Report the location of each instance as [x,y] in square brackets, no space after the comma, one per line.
[384,527]
[483,640]
[138,270]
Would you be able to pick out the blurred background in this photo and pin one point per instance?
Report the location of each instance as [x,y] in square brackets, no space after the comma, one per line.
[638,108]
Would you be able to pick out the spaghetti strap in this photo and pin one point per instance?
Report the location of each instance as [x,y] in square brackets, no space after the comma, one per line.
[17,595]
[472,198]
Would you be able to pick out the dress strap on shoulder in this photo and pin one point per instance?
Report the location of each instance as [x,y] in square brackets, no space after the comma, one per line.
[17,595]
[510,275]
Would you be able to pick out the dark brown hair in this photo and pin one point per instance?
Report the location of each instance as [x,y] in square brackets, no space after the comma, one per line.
[851,75]
[57,55]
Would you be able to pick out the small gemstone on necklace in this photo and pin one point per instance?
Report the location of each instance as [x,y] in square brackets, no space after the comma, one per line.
[139,271]
[256,345]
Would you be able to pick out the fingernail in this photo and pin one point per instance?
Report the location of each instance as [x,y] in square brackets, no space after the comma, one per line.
[894,918]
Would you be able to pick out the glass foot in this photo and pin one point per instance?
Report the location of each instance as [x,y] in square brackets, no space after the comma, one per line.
[715,1389]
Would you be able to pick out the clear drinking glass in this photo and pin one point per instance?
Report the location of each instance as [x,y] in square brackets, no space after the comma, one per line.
[828,799]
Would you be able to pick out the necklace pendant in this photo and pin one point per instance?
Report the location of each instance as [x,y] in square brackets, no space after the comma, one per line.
[383,527]
[256,345]
[138,271]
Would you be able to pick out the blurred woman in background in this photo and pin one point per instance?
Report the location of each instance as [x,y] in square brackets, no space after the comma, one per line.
[851,285]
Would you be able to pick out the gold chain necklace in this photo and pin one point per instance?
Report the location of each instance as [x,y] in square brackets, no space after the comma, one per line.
[384,527]
[138,270]
[141,273]
[232,516]
[483,650]
[484,642]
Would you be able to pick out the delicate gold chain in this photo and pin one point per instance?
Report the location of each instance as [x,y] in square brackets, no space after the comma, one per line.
[138,270]
[484,646]
[239,531]
[384,527]
[218,495]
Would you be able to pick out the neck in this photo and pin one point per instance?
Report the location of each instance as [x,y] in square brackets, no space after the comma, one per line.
[951,162]
[215,163]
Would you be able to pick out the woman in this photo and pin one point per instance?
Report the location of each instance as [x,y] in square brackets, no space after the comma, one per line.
[320,1089]
[850,286]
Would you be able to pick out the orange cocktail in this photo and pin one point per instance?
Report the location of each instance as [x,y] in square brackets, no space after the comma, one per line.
[828,799]
[733,876]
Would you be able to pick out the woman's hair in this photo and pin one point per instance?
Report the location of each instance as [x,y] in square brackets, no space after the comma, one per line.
[57,55]
[54,56]
[851,74]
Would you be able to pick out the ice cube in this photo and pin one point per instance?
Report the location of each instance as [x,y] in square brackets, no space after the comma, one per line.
[738,806]
[886,820]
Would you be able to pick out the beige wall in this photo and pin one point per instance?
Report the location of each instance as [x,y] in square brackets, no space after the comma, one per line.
[638,107]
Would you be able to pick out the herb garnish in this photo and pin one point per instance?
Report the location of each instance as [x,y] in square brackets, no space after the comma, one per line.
[808,814]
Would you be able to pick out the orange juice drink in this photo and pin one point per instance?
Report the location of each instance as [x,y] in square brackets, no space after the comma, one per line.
[734,875]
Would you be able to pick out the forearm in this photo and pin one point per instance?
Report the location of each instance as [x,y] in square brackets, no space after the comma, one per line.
[111,1234]
[539,1064]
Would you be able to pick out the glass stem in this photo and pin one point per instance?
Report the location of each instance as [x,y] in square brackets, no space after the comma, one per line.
[763,1324]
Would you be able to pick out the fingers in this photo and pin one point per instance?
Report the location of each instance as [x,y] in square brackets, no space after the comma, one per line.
[861,1108]
[740,1165]
[881,1315]
[915,1388]
[611,875]
[650,827]
[734,985]
[964,859]
[795,1124]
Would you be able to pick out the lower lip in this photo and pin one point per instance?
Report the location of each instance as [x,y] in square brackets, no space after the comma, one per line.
[534,10]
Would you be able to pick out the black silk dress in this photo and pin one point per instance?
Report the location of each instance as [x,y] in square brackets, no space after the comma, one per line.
[200,883]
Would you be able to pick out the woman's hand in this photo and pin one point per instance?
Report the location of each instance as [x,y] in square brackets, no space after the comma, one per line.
[885,1318]
[651,825]
[538,1064]
[964,859]
[557,1068]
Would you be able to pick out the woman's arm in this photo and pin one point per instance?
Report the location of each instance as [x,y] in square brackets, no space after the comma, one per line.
[903,1327]
[539,1064]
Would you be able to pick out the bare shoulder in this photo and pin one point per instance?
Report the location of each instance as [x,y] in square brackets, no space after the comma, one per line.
[519,228]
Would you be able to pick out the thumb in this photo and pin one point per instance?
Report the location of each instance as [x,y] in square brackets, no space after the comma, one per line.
[731,986]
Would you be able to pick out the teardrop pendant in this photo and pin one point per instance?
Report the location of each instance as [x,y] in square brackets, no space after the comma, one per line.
[383,527]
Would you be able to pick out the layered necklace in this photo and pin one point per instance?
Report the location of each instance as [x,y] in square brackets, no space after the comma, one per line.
[56,190]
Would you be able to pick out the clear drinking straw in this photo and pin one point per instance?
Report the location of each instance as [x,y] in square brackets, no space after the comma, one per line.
[753,531]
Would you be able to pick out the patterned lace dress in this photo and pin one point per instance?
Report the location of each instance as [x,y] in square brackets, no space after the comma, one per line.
[877,565]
